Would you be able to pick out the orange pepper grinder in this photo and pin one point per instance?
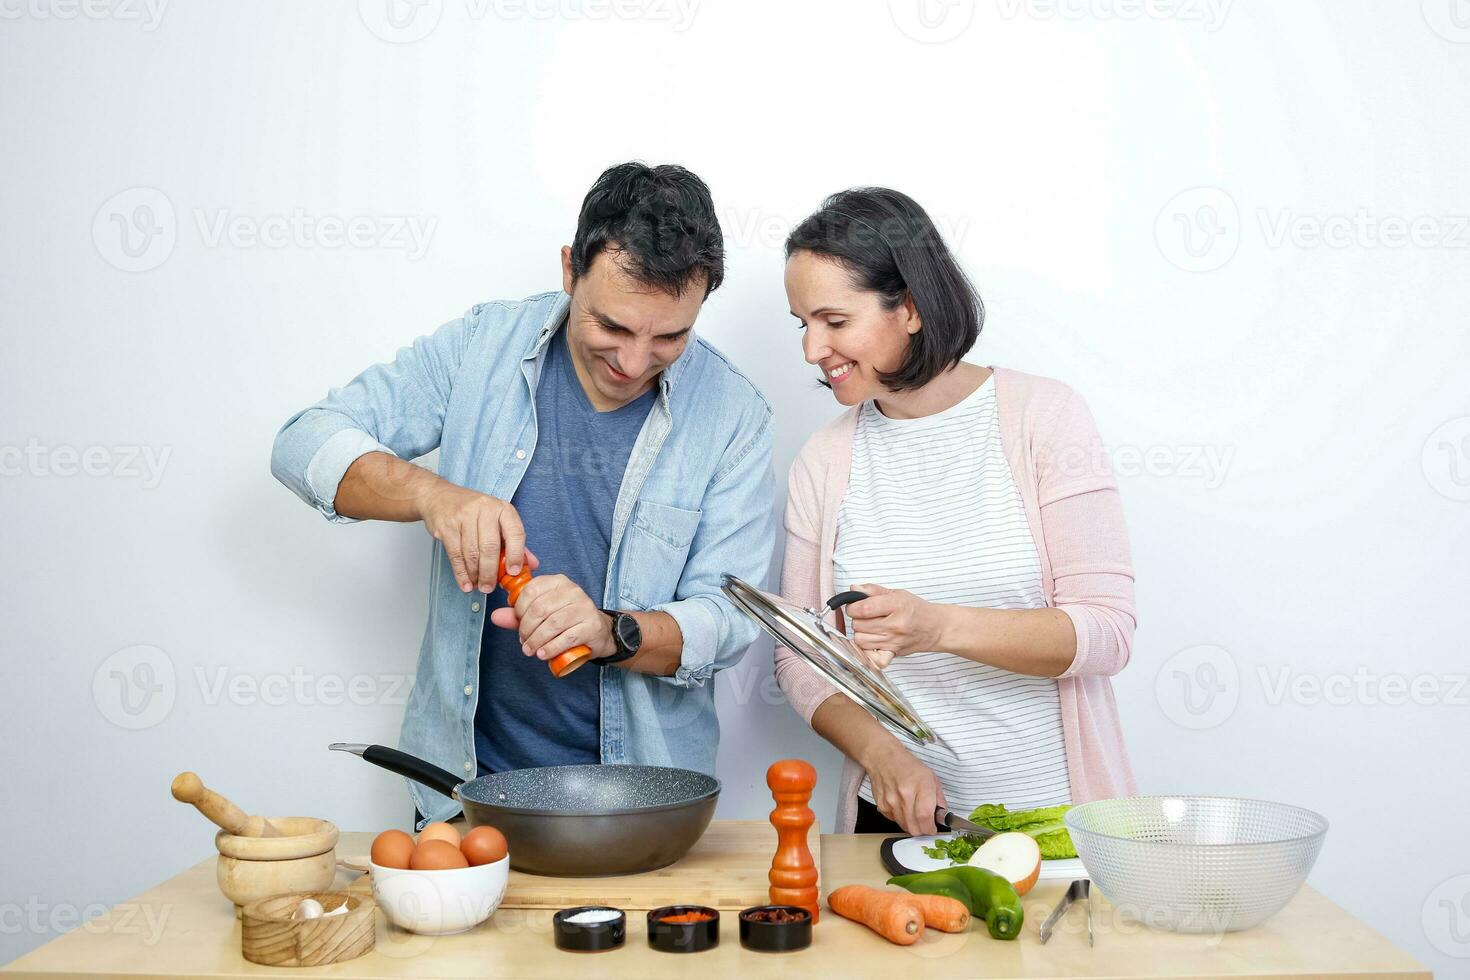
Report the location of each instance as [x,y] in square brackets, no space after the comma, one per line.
[793,872]
[563,663]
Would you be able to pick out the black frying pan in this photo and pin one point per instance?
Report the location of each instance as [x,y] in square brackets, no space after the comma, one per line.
[578,821]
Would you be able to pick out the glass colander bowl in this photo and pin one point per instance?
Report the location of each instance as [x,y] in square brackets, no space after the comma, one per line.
[1208,864]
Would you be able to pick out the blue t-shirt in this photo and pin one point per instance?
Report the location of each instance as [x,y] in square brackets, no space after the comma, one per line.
[525,716]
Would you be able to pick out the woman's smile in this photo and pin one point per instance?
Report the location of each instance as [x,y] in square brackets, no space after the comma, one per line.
[839,373]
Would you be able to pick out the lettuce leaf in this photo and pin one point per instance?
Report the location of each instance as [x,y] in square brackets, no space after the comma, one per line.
[1055,844]
[1044,824]
[996,817]
[956,850]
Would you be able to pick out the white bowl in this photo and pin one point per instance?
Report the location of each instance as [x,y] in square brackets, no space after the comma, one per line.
[440,903]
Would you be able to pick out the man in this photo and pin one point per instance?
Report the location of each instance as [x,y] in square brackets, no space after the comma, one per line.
[589,435]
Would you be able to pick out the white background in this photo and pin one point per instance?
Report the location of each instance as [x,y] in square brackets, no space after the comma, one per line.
[1278,359]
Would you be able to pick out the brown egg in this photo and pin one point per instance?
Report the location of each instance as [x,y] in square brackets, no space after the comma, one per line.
[392,849]
[440,831]
[483,845]
[437,855]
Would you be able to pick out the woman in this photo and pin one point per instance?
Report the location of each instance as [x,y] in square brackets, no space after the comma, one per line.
[975,507]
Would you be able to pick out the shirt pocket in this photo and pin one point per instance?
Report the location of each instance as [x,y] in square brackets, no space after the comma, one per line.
[654,550]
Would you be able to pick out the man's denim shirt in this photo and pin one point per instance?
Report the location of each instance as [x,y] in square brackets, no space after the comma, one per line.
[696,501]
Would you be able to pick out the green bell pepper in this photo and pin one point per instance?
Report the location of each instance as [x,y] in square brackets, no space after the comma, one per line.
[936,883]
[987,895]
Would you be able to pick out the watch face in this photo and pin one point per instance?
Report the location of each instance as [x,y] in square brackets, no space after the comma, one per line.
[629,634]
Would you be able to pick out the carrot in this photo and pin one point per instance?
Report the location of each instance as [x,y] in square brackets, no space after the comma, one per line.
[942,912]
[893,915]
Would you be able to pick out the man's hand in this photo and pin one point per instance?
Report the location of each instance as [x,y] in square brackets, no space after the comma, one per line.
[553,615]
[892,622]
[473,528]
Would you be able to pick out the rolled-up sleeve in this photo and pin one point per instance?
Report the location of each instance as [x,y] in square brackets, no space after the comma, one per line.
[699,619]
[1086,539]
[736,534]
[314,468]
[396,408]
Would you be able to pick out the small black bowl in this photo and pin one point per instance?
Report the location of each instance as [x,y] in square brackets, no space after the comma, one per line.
[683,937]
[588,937]
[775,937]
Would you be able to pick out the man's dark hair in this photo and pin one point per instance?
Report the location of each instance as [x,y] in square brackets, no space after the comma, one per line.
[889,246]
[661,223]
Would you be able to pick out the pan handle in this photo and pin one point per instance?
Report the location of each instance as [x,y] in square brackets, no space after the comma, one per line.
[407,765]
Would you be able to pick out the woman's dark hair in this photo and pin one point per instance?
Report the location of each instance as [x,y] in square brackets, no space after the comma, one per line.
[889,246]
[661,222]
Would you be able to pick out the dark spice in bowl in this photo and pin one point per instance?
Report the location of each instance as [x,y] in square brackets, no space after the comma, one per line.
[776,928]
[776,914]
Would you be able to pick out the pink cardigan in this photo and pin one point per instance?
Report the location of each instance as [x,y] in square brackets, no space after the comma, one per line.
[1072,504]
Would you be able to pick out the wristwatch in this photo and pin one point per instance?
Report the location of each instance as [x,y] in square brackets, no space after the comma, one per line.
[627,637]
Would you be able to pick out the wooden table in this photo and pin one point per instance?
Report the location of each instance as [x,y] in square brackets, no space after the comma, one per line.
[185,928]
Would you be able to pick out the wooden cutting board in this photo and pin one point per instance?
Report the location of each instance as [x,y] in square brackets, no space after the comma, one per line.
[727,868]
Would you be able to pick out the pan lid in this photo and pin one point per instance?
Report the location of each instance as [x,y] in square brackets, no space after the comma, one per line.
[807,633]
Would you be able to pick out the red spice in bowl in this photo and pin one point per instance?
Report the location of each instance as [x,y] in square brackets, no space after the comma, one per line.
[683,928]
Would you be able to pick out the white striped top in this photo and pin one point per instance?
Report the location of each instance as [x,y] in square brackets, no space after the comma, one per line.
[931,507]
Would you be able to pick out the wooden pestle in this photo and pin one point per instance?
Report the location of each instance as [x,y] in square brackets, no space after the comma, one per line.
[793,872]
[189,788]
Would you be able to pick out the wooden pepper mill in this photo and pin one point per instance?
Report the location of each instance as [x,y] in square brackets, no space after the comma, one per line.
[793,872]
[568,660]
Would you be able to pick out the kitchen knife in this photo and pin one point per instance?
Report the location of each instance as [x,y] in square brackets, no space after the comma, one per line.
[955,822]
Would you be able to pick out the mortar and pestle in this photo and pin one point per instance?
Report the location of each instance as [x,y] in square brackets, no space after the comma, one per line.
[258,856]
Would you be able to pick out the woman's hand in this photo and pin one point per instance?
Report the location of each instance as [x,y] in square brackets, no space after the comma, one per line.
[892,622]
[904,789]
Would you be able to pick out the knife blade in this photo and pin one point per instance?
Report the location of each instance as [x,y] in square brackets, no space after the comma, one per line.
[953,821]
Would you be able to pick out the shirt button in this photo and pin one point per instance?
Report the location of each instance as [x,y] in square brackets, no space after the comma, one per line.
[474,607]
[468,766]
[520,454]
[468,690]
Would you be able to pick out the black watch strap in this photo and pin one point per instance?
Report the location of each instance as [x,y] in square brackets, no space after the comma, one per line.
[622,651]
